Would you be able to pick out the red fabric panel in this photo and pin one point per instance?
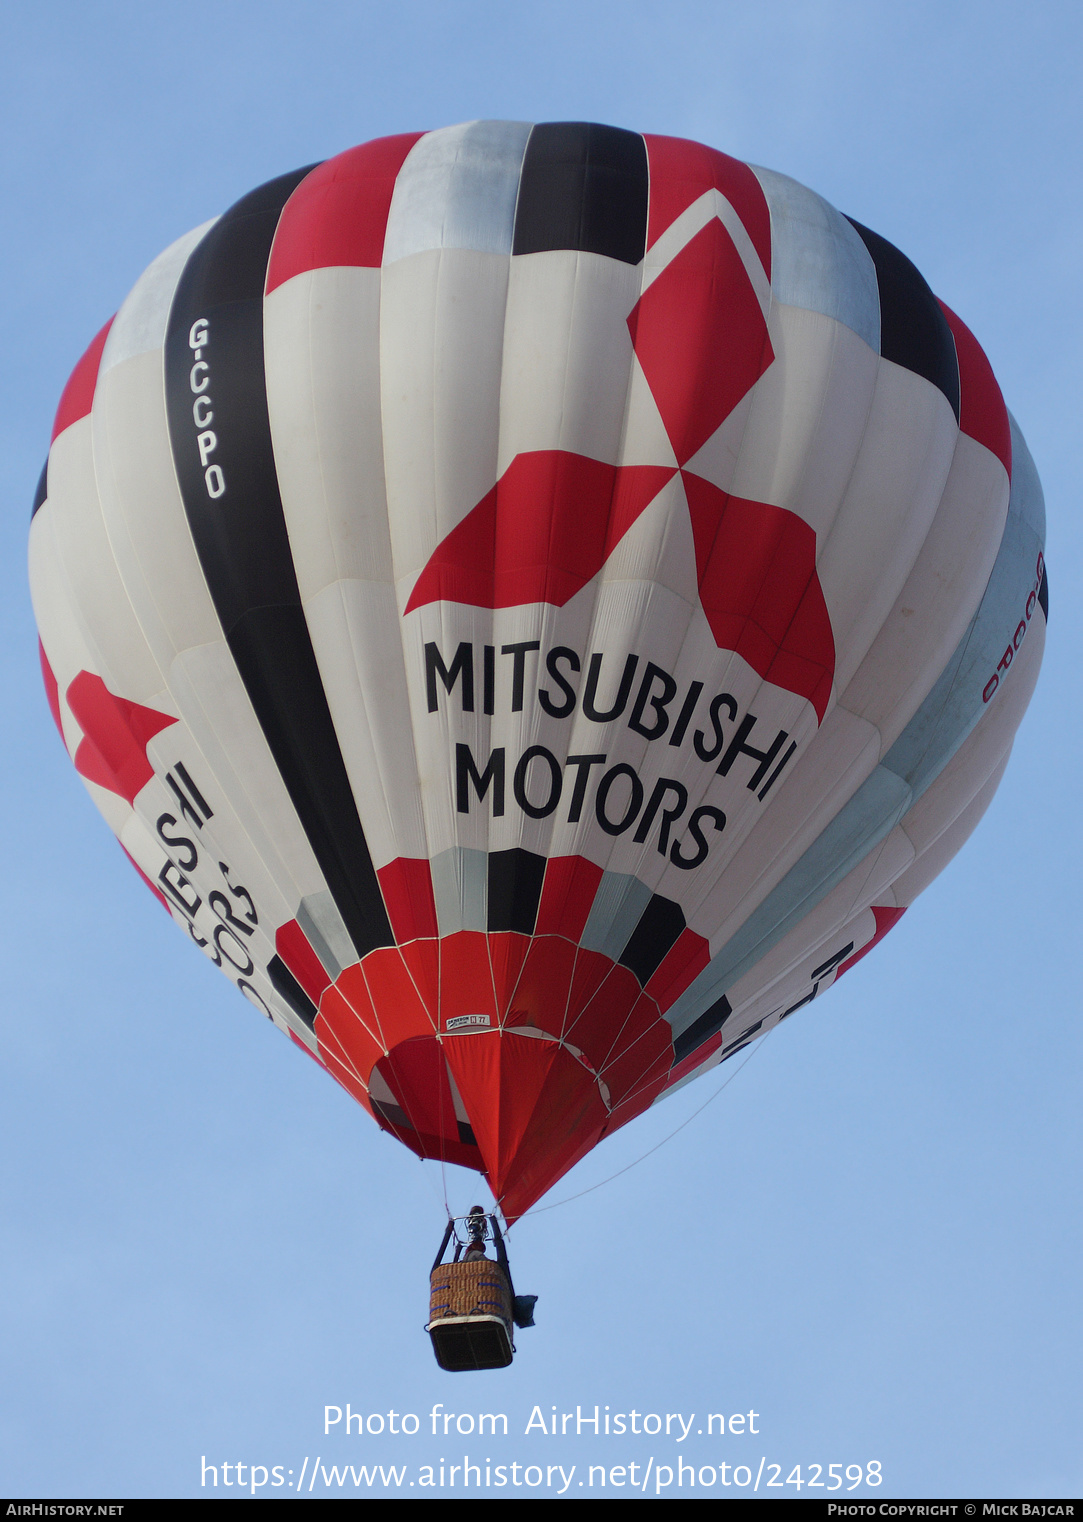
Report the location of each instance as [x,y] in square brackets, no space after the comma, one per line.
[335,1062]
[293,947]
[347,1008]
[680,172]
[466,978]
[756,566]
[590,972]
[422,961]
[77,398]
[540,1164]
[545,530]
[338,213]
[598,1022]
[500,1079]
[683,962]
[52,690]
[982,413]
[406,885]
[399,1007]
[114,752]
[541,997]
[700,335]
[567,895]
[636,1103]
[507,953]
[642,1053]
[416,1073]
[886,919]
[158,894]
[532,1106]
[347,1029]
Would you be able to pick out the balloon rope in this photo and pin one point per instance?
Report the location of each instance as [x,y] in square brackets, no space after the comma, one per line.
[628,1168]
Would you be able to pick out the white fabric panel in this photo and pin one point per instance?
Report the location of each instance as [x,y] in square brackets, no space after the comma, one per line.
[441,317]
[355,634]
[567,356]
[322,336]
[890,503]
[936,856]
[659,547]
[115,649]
[795,441]
[59,628]
[144,515]
[84,558]
[940,596]
[98,633]
[160,570]
[322,354]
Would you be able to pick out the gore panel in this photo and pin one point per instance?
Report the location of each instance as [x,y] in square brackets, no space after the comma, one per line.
[287,985]
[708,1024]
[515,884]
[659,926]
[913,330]
[583,187]
[216,400]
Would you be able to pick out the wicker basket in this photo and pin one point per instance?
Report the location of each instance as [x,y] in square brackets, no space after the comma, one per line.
[479,1288]
[470,1315]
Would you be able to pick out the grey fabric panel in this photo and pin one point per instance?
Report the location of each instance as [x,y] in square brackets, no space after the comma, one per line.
[818,261]
[869,817]
[618,905]
[327,935]
[460,888]
[1027,498]
[457,189]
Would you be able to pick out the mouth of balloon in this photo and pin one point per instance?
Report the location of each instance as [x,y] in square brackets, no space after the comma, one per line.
[516,1066]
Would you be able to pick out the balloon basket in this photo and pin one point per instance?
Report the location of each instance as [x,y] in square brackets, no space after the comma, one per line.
[470,1316]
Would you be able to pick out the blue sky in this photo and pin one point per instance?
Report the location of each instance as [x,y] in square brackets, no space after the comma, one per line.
[872,1236]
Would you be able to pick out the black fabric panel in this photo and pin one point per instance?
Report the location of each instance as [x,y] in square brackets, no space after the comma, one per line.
[284,983]
[584,187]
[708,1024]
[913,330]
[659,926]
[41,491]
[240,536]
[1043,594]
[515,884]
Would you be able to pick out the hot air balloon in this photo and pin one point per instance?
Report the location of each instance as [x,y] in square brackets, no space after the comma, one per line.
[536,603]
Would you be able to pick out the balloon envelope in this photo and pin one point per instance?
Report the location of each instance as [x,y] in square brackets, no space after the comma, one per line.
[536,604]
